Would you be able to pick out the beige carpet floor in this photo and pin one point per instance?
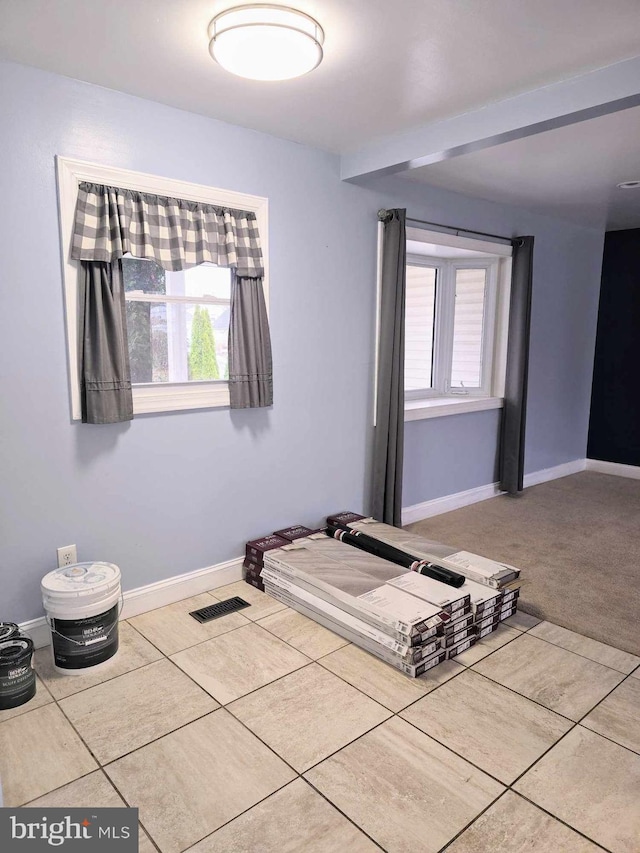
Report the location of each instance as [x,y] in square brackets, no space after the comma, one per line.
[577,543]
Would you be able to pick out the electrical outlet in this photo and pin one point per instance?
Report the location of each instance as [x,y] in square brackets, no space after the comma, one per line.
[67,555]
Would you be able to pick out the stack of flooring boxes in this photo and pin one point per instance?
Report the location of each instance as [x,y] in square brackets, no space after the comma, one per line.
[484,577]
[386,606]
[362,597]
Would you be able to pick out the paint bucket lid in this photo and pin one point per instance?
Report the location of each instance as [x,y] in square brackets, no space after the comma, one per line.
[14,651]
[8,630]
[80,580]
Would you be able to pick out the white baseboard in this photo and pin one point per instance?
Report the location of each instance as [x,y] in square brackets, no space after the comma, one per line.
[617,469]
[154,595]
[437,506]
[38,630]
[546,474]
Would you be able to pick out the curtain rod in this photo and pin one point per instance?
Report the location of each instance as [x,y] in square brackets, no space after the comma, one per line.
[458,231]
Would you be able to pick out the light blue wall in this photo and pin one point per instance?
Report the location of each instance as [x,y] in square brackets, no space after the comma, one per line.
[167,494]
[449,454]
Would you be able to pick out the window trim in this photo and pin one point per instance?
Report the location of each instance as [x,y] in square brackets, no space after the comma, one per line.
[436,366]
[165,397]
[438,407]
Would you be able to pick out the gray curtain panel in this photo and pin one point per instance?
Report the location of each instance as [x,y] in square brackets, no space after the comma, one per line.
[250,364]
[105,378]
[515,398]
[388,445]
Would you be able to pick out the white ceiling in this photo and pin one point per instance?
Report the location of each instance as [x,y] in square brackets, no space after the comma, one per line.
[572,171]
[388,67]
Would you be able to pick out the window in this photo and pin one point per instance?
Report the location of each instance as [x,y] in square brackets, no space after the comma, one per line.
[177,322]
[456,319]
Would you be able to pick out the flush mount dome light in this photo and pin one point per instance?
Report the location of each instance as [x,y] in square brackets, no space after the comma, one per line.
[629,185]
[266,42]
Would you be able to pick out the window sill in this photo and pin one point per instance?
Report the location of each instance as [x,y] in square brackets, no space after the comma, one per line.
[438,407]
[148,399]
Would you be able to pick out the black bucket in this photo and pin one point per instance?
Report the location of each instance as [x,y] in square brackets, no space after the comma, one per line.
[17,676]
[8,630]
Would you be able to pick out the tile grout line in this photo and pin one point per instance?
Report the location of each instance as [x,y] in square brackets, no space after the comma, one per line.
[560,820]
[570,651]
[511,690]
[511,788]
[110,781]
[221,705]
[391,714]
[344,814]
[237,628]
[508,787]
[244,811]
[219,708]
[600,701]
[586,657]
[101,766]
[472,821]
[518,794]
[397,714]
[457,754]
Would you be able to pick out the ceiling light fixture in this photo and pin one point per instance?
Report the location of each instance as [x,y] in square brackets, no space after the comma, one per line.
[629,185]
[262,41]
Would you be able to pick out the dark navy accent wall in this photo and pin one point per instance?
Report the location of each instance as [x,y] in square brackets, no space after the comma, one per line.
[614,427]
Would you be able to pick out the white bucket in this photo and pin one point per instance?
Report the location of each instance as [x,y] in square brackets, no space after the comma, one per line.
[82,603]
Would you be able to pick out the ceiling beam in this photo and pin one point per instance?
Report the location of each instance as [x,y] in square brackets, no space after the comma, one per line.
[597,93]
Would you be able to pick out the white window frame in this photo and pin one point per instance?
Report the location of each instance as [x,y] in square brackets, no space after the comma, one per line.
[446,269]
[158,397]
[435,406]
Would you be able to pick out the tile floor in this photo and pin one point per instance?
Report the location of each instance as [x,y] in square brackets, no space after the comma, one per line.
[262,732]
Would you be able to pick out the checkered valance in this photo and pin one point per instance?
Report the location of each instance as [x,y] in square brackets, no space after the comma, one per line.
[177,234]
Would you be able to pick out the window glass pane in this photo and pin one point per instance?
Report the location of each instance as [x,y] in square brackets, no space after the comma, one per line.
[204,280]
[177,342]
[147,277]
[468,323]
[141,276]
[147,333]
[419,320]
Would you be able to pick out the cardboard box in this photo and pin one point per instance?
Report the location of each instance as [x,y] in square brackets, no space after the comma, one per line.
[510,595]
[297,531]
[487,611]
[507,611]
[489,629]
[453,639]
[446,597]
[361,631]
[344,517]
[254,581]
[248,573]
[491,619]
[464,620]
[257,548]
[339,627]
[362,594]
[460,647]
